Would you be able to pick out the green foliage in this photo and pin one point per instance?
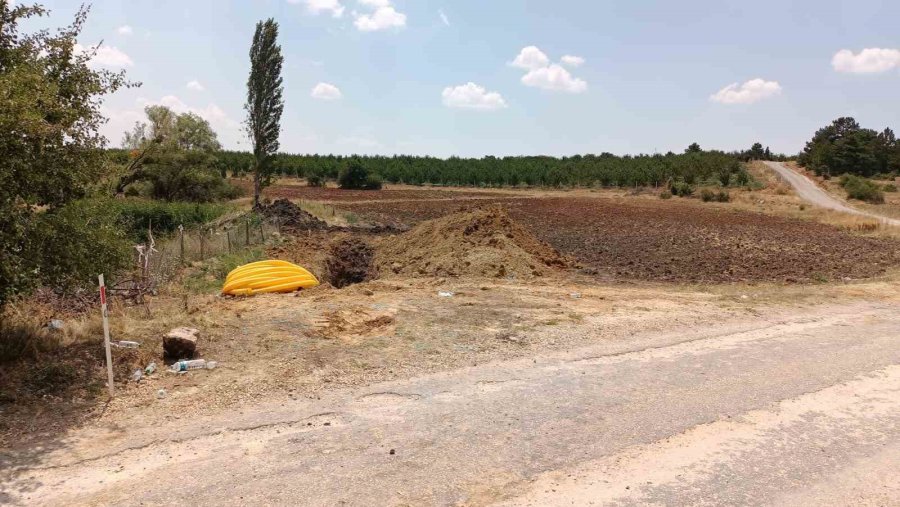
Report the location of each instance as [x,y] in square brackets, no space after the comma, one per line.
[135,216]
[316,180]
[681,188]
[604,170]
[845,147]
[708,195]
[211,274]
[177,175]
[665,194]
[356,175]
[80,240]
[862,189]
[50,148]
[264,101]
[889,187]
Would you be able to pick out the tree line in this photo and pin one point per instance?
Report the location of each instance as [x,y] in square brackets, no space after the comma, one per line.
[844,147]
[605,169]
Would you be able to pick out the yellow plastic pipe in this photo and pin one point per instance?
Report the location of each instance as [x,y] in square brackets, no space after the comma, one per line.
[263,277]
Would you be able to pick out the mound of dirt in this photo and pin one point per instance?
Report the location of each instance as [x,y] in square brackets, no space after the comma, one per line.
[290,215]
[483,242]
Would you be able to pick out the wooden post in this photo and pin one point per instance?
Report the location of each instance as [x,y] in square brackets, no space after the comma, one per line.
[202,244]
[228,235]
[248,231]
[181,234]
[262,232]
[105,312]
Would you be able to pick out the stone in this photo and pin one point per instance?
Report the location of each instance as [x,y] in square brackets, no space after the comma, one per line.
[181,343]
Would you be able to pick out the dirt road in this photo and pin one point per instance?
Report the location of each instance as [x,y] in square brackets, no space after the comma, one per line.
[795,410]
[810,192]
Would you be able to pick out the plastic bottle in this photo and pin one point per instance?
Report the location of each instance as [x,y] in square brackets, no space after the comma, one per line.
[211,365]
[193,364]
[137,375]
[127,345]
[150,369]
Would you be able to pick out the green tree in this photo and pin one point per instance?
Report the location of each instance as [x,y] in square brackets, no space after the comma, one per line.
[264,101]
[757,152]
[693,148]
[50,101]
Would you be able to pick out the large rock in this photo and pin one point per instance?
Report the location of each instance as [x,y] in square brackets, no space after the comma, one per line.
[181,343]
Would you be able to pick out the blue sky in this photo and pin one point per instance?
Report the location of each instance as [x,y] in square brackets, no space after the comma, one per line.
[642,77]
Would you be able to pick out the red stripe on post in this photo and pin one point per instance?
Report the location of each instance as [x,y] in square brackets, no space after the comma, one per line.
[103,294]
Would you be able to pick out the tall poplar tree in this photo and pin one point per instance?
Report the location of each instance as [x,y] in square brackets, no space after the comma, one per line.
[264,101]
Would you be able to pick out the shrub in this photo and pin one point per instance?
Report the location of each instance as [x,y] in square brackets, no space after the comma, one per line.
[357,176]
[78,241]
[862,189]
[723,196]
[707,195]
[681,188]
[315,180]
[665,194]
[889,187]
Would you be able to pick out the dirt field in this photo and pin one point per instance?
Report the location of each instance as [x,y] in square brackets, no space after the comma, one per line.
[674,240]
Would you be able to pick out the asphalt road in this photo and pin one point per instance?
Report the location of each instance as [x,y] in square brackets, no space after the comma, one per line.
[810,192]
[802,409]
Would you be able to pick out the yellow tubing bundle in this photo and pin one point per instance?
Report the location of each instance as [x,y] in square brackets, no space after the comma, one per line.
[266,277]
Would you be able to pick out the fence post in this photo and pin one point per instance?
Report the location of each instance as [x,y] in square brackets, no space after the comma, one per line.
[181,241]
[106,344]
[248,231]
[262,232]
[202,244]
[228,235]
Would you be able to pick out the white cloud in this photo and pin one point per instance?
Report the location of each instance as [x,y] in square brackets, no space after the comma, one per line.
[472,96]
[125,30]
[747,93]
[326,91]
[444,17]
[868,61]
[572,61]
[319,6]
[382,18]
[530,58]
[546,75]
[195,85]
[555,78]
[105,56]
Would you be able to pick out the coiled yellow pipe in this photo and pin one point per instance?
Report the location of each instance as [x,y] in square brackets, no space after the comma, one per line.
[265,277]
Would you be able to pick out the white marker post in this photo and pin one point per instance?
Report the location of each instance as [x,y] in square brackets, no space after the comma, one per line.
[109,368]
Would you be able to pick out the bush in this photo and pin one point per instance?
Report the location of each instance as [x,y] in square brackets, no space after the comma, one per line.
[357,176]
[681,188]
[78,241]
[316,180]
[862,189]
[889,187]
[665,195]
[707,195]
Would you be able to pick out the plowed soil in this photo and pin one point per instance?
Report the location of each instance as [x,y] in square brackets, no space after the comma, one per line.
[678,240]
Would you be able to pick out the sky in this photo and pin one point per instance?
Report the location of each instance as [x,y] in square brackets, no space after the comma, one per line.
[504,77]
